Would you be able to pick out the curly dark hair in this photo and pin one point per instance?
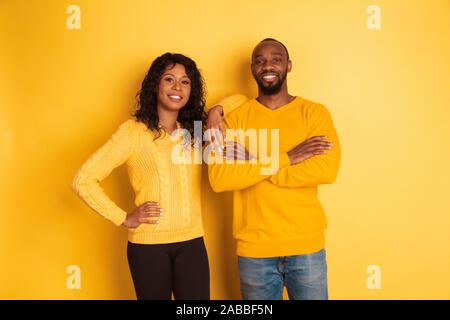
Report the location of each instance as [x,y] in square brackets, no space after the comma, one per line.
[146,111]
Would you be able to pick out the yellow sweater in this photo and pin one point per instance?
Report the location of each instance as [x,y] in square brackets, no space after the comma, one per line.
[279,213]
[153,176]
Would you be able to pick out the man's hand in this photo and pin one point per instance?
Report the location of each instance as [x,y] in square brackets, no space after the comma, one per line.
[214,128]
[142,213]
[309,148]
[236,151]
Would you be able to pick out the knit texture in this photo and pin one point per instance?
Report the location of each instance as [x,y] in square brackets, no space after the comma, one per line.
[278,214]
[153,176]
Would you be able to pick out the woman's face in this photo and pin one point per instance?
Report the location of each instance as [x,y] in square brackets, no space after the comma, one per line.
[174,88]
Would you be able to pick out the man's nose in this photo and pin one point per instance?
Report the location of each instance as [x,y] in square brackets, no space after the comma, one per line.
[268,66]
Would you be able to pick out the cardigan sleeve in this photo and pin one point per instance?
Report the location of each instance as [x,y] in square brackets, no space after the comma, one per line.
[86,182]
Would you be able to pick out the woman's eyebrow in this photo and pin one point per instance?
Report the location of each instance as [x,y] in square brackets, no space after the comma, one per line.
[171,74]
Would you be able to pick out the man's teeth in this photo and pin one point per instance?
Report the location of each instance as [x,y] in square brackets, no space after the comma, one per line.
[269,77]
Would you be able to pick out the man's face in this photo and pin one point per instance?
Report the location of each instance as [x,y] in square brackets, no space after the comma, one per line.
[270,66]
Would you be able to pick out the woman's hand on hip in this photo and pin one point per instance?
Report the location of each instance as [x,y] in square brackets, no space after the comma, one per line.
[142,214]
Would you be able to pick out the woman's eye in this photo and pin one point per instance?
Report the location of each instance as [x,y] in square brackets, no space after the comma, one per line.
[185,82]
[168,79]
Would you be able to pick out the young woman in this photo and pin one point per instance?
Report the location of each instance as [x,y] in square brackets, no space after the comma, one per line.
[166,252]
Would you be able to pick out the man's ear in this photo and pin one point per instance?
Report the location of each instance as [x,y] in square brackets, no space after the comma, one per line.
[289,66]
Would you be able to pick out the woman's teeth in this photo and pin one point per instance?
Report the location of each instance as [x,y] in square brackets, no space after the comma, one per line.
[174,97]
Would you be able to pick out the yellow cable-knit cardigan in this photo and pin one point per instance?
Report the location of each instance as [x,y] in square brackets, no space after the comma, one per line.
[153,176]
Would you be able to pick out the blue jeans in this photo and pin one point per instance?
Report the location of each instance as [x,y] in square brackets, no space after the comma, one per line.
[305,277]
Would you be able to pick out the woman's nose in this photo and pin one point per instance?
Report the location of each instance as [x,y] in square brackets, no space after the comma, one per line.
[176,85]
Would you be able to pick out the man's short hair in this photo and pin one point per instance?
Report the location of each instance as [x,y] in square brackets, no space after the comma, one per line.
[272,39]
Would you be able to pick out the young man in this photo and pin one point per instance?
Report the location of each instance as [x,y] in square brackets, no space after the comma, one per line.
[278,220]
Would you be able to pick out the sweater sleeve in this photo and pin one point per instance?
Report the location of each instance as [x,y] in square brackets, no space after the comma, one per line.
[242,174]
[229,103]
[319,169]
[86,182]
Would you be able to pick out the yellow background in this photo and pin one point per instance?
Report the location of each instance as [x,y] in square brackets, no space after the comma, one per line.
[64,92]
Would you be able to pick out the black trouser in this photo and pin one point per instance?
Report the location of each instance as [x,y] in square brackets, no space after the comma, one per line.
[159,269]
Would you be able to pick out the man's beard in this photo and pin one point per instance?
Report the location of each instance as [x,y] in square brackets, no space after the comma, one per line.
[273,89]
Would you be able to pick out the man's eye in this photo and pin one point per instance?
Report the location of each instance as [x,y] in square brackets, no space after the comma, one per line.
[277,59]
